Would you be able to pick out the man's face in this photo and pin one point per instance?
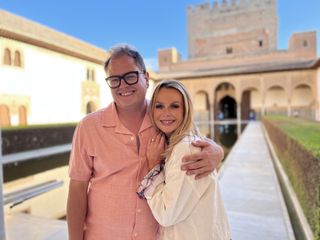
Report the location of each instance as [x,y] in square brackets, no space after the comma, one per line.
[128,96]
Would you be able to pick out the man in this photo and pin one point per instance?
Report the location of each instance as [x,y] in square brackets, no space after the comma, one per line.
[108,159]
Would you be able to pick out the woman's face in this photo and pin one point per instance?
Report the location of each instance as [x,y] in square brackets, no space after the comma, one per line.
[168,110]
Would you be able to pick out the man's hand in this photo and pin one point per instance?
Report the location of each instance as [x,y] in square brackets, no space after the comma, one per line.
[203,163]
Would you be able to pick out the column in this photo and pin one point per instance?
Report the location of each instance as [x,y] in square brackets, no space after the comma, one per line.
[238,119]
[289,111]
[211,122]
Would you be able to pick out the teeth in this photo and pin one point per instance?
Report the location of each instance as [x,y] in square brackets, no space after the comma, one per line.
[126,93]
[167,122]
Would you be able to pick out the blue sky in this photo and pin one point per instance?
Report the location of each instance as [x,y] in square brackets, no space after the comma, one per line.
[148,25]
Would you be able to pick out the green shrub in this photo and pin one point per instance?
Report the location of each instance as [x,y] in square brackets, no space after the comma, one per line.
[297,143]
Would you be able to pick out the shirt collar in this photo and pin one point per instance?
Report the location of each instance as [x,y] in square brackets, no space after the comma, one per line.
[110,118]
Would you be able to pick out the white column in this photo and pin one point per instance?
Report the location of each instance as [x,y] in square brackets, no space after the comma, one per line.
[211,112]
[289,109]
[263,109]
[238,119]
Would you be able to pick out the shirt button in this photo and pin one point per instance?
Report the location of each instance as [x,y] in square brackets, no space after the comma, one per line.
[132,138]
[135,234]
[138,210]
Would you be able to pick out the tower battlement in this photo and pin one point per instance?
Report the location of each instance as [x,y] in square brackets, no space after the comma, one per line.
[232,27]
[229,7]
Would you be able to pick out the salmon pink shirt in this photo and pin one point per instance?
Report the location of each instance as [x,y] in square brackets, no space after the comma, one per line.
[105,153]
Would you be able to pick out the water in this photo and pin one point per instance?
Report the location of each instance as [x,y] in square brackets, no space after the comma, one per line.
[225,135]
[18,170]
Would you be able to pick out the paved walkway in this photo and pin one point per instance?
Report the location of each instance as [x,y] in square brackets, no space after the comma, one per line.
[251,192]
[26,227]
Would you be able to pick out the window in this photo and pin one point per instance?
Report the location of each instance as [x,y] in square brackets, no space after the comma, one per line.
[90,74]
[90,107]
[22,115]
[229,50]
[17,59]
[93,77]
[305,43]
[260,43]
[4,116]
[7,57]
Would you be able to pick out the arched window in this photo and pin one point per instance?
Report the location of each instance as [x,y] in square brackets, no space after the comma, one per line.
[22,115]
[90,107]
[93,76]
[7,57]
[4,116]
[88,74]
[17,59]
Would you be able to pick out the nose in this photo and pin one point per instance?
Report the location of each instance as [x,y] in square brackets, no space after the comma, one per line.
[167,111]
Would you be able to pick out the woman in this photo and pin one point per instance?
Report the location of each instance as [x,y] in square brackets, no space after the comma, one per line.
[184,207]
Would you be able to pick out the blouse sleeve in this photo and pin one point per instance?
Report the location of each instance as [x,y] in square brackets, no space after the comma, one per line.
[173,200]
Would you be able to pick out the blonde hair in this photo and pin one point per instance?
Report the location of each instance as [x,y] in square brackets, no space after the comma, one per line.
[187,127]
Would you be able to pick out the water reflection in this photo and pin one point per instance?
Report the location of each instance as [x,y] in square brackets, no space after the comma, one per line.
[224,134]
[18,170]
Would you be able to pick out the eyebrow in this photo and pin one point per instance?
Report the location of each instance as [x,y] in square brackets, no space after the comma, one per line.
[170,103]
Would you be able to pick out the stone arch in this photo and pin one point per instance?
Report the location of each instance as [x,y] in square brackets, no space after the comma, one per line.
[251,103]
[22,115]
[302,101]
[5,120]
[225,105]
[90,107]
[276,100]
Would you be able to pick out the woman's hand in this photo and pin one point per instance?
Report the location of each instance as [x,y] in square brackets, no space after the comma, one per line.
[155,148]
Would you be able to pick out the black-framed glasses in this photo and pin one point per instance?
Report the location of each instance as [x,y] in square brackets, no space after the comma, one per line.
[130,78]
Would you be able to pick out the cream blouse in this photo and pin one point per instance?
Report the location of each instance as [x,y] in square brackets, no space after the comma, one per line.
[186,209]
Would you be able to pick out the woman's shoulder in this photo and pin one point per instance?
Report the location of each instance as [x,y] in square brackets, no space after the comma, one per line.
[186,144]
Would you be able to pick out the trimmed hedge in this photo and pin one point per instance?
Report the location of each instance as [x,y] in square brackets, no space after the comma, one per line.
[19,139]
[297,143]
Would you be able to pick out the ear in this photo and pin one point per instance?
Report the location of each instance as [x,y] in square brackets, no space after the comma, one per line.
[147,78]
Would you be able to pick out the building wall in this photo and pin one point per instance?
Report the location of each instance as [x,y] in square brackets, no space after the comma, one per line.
[53,86]
[254,73]
[279,92]
[302,46]
[318,94]
[213,29]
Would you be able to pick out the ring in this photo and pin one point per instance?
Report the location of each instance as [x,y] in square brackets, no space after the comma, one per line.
[152,140]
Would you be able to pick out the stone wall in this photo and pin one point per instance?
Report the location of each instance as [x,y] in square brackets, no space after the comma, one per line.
[212,29]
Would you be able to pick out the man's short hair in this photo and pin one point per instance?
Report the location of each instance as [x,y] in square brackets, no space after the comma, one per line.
[125,49]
